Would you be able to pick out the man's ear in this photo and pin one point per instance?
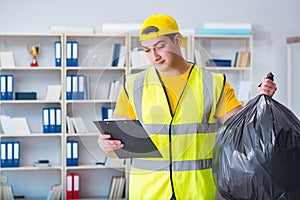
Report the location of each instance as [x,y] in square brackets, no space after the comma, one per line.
[177,40]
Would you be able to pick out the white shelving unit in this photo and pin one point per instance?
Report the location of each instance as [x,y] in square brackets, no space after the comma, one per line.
[94,62]
[225,47]
[35,146]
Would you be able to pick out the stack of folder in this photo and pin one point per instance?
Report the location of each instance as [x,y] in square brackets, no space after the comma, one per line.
[52,120]
[72,153]
[6,86]
[117,187]
[72,54]
[10,154]
[77,87]
[73,191]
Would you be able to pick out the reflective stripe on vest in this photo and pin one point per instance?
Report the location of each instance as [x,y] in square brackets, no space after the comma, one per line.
[185,165]
[181,128]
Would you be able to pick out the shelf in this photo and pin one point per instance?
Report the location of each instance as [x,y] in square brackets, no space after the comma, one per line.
[31,135]
[87,167]
[90,101]
[29,102]
[223,36]
[30,168]
[100,68]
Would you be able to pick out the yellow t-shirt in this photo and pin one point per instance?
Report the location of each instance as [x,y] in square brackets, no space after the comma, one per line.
[174,86]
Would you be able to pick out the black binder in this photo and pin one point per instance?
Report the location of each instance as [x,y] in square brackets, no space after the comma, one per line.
[137,143]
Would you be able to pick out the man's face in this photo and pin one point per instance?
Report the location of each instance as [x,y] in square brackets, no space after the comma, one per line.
[161,51]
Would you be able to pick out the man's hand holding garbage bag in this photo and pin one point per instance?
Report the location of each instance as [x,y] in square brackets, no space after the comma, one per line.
[257,152]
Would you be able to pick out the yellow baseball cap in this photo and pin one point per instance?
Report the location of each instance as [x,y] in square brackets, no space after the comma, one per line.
[166,25]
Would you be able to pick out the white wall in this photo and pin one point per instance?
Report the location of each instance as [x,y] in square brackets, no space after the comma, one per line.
[273,22]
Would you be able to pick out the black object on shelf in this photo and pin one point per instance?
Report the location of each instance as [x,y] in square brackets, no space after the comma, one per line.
[25,96]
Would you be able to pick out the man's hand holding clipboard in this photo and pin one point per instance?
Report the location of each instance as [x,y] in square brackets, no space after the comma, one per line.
[127,138]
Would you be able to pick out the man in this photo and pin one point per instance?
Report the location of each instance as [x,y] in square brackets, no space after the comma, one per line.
[178,104]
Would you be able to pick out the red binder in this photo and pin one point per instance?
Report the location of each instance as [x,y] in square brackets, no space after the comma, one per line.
[76,190]
[73,190]
[69,186]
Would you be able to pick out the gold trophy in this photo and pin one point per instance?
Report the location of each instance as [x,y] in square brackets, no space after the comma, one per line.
[34,51]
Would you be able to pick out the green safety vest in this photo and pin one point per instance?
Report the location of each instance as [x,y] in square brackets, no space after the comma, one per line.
[189,134]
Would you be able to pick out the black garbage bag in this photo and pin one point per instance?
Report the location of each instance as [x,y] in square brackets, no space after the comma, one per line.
[257,153]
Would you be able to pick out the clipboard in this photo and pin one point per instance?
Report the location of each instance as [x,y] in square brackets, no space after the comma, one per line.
[137,143]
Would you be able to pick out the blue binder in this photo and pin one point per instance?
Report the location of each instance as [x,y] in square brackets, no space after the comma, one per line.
[72,153]
[46,116]
[75,87]
[9,87]
[57,120]
[16,154]
[69,53]
[10,152]
[69,153]
[52,120]
[72,54]
[81,87]
[69,87]
[75,54]
[75,153]
[57,53]
[3,87]
[3,154]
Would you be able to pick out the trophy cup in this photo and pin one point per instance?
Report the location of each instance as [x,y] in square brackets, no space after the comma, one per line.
[34,51]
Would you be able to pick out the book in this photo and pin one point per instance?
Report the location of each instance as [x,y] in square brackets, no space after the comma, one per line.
[137,143]
[53,93]
[227,25]
[122,57]
[114,88]
[117,187]
[115,54]
[200,31]
[55,192]
[7,125]
[70,125]
[6,192]
[79,125]
[21,125]
[138,58]
[14,125]
[242,59]
[7,59]
[219,62]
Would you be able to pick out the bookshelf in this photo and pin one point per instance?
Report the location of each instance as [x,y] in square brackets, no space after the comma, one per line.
[225,47]
[94,63]
[36,145]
